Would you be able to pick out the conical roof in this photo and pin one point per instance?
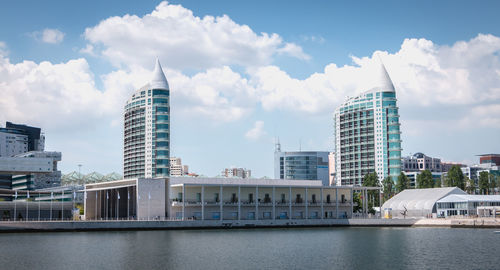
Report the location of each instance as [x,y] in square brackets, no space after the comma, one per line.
[159,81]
[384,81]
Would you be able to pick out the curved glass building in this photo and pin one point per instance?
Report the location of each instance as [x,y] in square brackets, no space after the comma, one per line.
[146,148]
[367,134]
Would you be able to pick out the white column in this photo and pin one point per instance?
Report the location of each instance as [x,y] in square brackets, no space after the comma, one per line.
[336,203]
[352,201]
[321,198]
[202,202]
[307,216]
[183,201]
[290,202]
[239,202]
[62,205]
[274,203]
[256,202]
[221,202]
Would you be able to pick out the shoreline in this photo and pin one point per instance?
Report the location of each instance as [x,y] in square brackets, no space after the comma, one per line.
[135,225]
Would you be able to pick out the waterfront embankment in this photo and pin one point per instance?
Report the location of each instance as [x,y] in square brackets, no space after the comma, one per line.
[50,226]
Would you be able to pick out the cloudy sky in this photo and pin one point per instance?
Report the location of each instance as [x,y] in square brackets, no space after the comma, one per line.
[243,73]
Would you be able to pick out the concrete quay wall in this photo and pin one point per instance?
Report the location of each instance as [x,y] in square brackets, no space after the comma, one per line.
[208,224]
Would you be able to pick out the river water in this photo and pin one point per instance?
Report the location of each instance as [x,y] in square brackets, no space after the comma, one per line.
[310,248]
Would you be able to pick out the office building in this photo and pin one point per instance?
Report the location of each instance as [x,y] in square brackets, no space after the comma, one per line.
[32,170]
[237,172]
[420,162]
[176,167]
[147,129]
[367,134]
[490,159]
[412,176]
[301,165]
[18,142]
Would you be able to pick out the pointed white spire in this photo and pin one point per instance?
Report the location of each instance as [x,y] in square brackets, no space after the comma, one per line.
[384,80]
[159,81]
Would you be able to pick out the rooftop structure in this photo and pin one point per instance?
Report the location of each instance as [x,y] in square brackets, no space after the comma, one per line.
[493,159]
[76,178]
[147,129]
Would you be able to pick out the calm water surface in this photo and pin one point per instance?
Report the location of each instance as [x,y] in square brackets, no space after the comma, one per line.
[314,248]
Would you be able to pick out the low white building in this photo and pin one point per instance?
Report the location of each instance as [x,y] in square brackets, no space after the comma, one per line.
[217,199]
[417,203]
[465,205]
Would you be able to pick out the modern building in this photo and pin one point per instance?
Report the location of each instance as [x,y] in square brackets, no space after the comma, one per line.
[301,165]
[417,203]
[237,172]
[412,176]
[147,129]
[446,166]
[493,159]
[218,199]
[367,134]
[32,170]
[420,162]
[465,205]
[50,204]
[23,162]
[176,167]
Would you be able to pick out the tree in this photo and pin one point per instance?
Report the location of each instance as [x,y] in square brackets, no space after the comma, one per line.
[403,182]
[484,184]
[470,186]
[455,178]
[357,202]
[388,185]
[493,183]
[371,180]
[425,180]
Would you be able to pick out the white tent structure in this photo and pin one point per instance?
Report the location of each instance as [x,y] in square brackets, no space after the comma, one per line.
[417,203]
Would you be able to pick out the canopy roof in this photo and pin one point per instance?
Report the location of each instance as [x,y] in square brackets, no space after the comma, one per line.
[419,200]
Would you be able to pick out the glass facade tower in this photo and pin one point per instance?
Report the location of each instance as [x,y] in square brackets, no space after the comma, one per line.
[367,134]
[147,129]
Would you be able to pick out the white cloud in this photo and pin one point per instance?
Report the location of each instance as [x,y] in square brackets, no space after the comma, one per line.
[425,74]
[47,35]
[184,40]
[256,132]
[3,49]
[50,95]
[294,50]
[89,49]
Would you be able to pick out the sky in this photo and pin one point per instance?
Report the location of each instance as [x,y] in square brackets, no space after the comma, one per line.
[243,73]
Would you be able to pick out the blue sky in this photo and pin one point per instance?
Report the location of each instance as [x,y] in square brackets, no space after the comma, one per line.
[254,71]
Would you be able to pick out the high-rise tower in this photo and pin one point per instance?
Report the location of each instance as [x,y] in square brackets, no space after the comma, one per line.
[367,134]
[147,129]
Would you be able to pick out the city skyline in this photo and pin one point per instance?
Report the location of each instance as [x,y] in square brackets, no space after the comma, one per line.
[238,81]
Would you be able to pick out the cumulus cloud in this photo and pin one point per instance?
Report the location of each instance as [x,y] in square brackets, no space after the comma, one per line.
[57,95]
[256,132]
[184,40]
[424,73]
[48,35]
